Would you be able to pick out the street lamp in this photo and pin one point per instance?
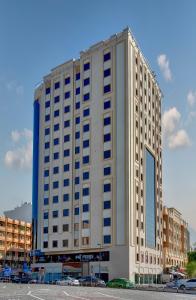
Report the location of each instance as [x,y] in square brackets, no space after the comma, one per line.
[99,260]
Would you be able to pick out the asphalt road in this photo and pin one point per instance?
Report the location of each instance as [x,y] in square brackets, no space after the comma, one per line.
[9,291]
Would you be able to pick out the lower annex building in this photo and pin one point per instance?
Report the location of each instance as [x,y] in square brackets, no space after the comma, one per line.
[97,164]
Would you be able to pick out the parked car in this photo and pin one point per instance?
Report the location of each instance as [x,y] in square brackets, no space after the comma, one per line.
[187,284]
[22,279]
[91,281]
[68,281]
[120,283]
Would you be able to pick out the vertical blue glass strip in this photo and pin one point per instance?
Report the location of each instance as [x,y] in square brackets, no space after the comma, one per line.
[150,201]
[35,173]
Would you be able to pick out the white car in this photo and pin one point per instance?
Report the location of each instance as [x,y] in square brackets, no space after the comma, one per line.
[187,284]
[68,281]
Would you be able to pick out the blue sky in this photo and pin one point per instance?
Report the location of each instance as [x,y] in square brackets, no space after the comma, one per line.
[38,35]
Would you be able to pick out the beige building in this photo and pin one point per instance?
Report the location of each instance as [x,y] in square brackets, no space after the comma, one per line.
[176,239]
[15,241]
[97,171]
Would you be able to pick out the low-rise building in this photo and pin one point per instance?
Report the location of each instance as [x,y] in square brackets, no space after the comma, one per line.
[175,239]
[15,242]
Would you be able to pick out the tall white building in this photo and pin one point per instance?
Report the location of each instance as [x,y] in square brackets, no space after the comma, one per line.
[97,166]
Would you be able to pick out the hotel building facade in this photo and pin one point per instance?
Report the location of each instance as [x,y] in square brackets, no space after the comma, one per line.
[97,164]
[176,242]
[15,242]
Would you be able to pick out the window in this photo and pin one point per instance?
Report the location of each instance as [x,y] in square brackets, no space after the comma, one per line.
[54,244]
[65,243]
[56,113]
[107,72]
[56,141]
[66,182]
[47,131]
[77,180]
[85,159]
[107,120]
[77,150]
[46,159]
[86,96]
[77,76]
[85,224]
[66,138]
[65,212]
[86,175]
[66,123]
[45,244]
[77,164]
[47,118]
[86,127]
[107,204]
[66,167]
[77,135]
[77,105]
[56,155]
[56,127]
[77,120]
[55,213]
[56,99]
[46,201]
[66,152]
[47,104]
[55,228]
[66,197]
[77,195]
[86,144]
[65,227]
[86,66]
[67,109]
[107,104]
[55,170]
[67,95]
[67,80]
[46,215]
[46,173]
[106,222]
[55,199]
[45,230]
[86,112]
[107,239]
[77,90]
[107,88]
[86,191]
[76,211]
[107,154]
[85,207]
[107,170]
[86,81]
[107,56]
[57,85]
[47,145]
[47,91]
[107,137]
[85,241]
[46,187]
[107,187]
[55,185]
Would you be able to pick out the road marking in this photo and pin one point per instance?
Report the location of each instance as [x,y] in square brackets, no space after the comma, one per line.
[4,286]
[75,296]
[110,296]
[33,296]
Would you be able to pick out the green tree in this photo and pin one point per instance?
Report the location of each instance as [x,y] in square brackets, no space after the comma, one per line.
[192,256]
[191,268]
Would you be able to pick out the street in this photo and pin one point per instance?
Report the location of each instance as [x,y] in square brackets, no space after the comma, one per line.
[9,291]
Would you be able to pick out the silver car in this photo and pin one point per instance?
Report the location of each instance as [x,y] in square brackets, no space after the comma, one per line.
[68,281]
[187,284]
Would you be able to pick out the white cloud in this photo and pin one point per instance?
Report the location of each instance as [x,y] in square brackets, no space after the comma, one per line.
[173,136]
[179,139]
[21,156]
[191,98]
[170,120]
[14,86]
[163,63]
